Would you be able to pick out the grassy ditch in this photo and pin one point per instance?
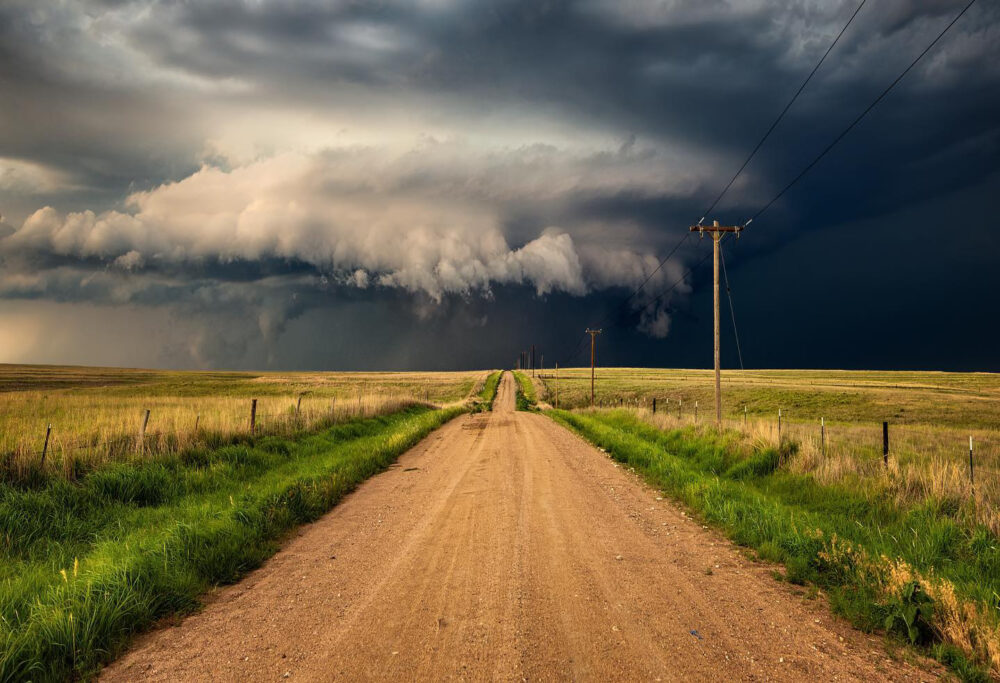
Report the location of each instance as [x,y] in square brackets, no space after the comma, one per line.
[484,399]
[526,398]
[86,565]
[917,572]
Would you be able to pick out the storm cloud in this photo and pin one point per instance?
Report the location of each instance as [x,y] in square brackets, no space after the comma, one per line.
[443,165]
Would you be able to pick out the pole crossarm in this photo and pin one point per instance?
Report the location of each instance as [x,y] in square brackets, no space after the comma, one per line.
[716,228]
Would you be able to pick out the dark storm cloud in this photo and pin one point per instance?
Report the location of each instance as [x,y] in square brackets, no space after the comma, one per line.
[449,152]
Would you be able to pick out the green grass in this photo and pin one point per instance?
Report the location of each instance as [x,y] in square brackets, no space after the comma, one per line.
[85,565]
[854,545]
[488,394]
[525,391]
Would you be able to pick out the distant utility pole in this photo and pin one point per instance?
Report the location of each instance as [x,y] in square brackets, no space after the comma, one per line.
[557,408]
[593,336]
[716,231]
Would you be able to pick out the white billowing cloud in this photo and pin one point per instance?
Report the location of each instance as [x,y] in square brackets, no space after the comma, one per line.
[429,220]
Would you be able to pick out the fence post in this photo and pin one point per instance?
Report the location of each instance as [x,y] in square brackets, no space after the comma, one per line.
[142,432]
[48,431]
[972,471]
[695,411]
[654,405]
[253,415]
[197,419]
[822,436]
[779,426]
[679,403]
[298,406]
[744,416]
[885,444]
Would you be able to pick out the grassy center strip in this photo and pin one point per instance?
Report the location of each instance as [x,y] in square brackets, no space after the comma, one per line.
[525,391]
[913,572]
[488,394]
[84,567]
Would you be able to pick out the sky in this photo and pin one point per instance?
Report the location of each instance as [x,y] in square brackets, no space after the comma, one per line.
[434,184]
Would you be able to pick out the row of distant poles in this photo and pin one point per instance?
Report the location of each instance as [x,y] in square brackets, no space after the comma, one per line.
[526,358]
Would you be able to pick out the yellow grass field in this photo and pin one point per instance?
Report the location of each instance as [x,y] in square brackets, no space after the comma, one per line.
[97,413]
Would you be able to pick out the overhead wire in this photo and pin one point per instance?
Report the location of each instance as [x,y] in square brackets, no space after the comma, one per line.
[795,180]
[784,111]
[860,116]
[728,185]
[835,141]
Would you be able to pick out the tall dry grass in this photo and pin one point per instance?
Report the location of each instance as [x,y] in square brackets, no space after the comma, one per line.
[95,423]
[91,430]
[926,464]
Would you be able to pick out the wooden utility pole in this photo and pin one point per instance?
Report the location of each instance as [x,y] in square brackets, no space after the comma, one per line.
[593,336]
[716,231]
[557,398]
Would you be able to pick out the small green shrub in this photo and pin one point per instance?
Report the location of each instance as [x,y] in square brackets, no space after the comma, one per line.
[911,614]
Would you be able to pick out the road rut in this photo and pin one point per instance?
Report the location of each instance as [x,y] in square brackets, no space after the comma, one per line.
[505,547]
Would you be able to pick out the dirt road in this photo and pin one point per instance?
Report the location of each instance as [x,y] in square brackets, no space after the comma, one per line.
[504,547]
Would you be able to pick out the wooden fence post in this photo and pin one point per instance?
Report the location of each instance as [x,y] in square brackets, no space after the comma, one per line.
[779,426]
[679,403]
[197,419]
[298,406]
[885,444]
[822,436]
[972,471]
[142,432]
[695,411]
[744,416]
[48,431]
[253,415]
[654,405]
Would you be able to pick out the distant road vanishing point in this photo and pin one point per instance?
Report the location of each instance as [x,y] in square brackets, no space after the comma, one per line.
[503,547]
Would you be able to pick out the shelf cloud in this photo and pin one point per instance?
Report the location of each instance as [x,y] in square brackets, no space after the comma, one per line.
[279,164]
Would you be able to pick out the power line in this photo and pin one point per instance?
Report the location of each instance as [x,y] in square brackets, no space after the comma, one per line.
[862,115]
[784,111]
[753,152]
[801,174]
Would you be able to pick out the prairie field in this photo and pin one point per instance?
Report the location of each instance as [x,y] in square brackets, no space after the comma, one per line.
[97,414]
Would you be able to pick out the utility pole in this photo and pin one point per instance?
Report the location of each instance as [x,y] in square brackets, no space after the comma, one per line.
[717,231]
[593,336]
